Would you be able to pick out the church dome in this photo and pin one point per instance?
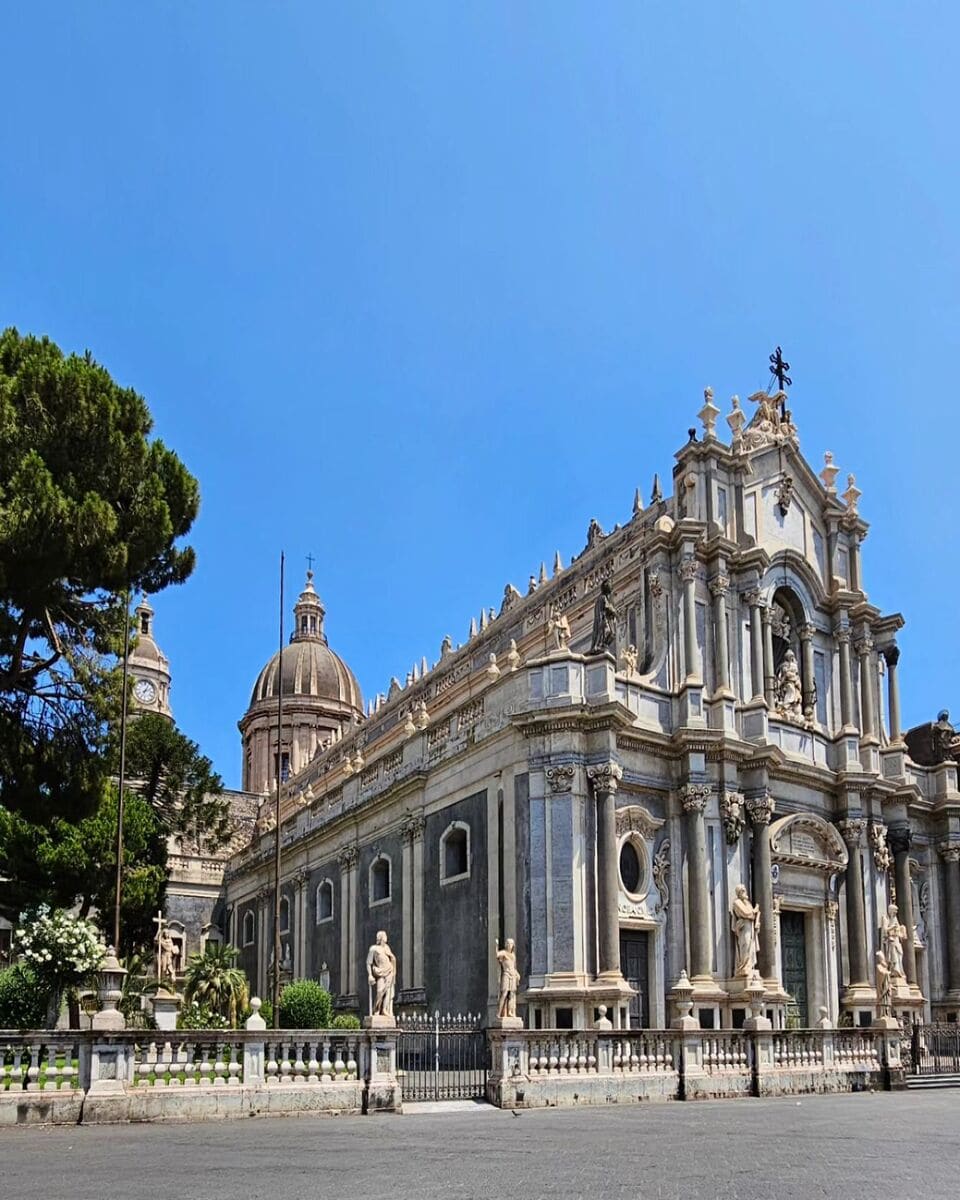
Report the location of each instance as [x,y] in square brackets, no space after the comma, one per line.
[309,668]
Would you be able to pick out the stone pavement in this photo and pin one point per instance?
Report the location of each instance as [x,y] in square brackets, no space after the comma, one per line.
[900,1146]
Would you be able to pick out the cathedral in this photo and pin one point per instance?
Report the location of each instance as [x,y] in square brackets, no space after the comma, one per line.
[677,760]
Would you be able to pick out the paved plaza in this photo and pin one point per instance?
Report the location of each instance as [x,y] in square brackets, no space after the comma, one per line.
[860,1147]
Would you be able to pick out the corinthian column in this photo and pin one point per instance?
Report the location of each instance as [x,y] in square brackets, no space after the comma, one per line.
[754,603]
[688,573]
[605,777]
[899,839]
[769,674]
[347,861]
[851,830]
[892,656]
[868,719]
[809,683]
[846,678]
[719,585]
[950,853]
[693,796]
[760,810]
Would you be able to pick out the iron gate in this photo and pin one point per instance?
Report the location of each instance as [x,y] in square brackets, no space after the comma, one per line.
[442,1057]
[934,1050]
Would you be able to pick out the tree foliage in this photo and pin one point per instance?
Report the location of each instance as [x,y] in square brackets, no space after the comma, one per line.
[305,1005]
[216,983]
[90,508]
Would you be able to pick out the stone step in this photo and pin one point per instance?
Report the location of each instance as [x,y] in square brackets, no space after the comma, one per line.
[933,1081]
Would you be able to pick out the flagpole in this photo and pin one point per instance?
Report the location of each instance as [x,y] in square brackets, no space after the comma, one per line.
[123,765]
[276,855]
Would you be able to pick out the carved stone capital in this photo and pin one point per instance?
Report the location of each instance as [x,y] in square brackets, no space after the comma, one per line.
[694,796]
[900,839]
[806,631]
[843,636]
[264,894]
[892,655]
[760,809]
[300,878]
[560,778]
[949,851]
[863,645]
[830,909]
[347,858]
[412,828]
[851,830]
[688,570]
[719,585]
[732,815]
[605,777]
[753,598]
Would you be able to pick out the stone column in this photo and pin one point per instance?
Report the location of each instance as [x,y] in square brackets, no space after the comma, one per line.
[846,678]
[688,573]
[605,777]
[300,958]
[950,853]
[868,719]
[693,796]
[769,674]
[416,830]
[264,933]
[755,604]
[899,839]
[719,585]
[760,810]
[892,656]
[809,681]
[347,861]
[406,945]
[851,830]
[856,579]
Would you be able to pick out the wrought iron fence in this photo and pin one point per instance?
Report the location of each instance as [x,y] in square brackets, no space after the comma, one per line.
[934,1050]
[442,1057]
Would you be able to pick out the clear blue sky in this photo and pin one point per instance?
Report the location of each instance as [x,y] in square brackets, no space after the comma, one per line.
[420,288]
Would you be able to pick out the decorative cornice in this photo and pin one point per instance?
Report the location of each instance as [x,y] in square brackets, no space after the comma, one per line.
[634,818]
[760,809]
[851,830]
[694,796]
[560,777]
[605,777]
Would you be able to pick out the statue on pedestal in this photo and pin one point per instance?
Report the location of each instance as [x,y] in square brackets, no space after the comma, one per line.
[788,689]
[382,976]
[509,979]
[745,922]
[882,973]
[892,934]
[604,621]
[559,627]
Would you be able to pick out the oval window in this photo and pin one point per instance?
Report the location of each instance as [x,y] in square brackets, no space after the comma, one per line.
[630,869]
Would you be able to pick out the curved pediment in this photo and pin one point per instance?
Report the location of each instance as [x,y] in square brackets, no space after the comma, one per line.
[805,840]
[634,818]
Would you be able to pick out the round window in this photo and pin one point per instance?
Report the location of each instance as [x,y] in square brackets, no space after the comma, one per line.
[631,871]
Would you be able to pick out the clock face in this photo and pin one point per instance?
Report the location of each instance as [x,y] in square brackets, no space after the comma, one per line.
[144,691]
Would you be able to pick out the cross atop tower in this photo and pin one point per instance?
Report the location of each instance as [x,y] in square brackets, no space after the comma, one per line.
[779,369]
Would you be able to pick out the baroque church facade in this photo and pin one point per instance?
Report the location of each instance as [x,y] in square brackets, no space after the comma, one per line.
[704,701]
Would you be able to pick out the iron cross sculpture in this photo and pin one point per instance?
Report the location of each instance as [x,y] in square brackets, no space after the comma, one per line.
[780,369]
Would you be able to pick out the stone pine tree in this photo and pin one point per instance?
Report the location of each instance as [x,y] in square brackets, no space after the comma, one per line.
[91,509]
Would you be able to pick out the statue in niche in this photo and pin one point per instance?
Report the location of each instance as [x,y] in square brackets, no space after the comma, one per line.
[382,976]
[892,934]
[745,922]
[604,621]
[628,659]
[882,978]
[788,690]
[509,979]
[559,627]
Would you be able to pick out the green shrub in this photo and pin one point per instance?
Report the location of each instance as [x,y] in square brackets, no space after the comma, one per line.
[198,1016]
[305,1005]
[345,1021]
[23,999]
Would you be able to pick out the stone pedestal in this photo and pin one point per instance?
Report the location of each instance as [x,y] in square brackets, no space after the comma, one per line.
[379,1067]
[379,1021]
[506,1023]
[166,1005]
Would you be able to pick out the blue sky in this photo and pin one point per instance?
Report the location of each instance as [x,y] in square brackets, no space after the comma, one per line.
[420,288]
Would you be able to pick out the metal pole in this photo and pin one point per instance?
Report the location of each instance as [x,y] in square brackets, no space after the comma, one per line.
[123,768]
[276,855]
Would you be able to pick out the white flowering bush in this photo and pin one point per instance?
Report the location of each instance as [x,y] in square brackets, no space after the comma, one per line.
[61,950]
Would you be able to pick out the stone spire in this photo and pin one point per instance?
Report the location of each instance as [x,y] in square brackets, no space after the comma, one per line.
[309,613]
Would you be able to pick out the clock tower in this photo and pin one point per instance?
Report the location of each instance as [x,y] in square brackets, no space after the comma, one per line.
[149,667]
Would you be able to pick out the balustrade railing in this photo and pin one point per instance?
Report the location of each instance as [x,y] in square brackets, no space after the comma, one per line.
[311,1058]
[641,1050]
[561,1053]
[45,1062]
[852,1047]
[798,1048]
[192,1060]
[725,1050]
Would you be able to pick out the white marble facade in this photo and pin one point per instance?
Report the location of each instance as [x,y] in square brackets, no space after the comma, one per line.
[747,730]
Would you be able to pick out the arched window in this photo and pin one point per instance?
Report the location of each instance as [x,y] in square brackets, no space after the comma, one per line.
[455,852]
[633,866]
[284,915]
[248,927]
[324,901]
[210,935]
[380,880]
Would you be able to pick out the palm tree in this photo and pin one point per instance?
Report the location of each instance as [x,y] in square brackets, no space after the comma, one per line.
[213,979]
